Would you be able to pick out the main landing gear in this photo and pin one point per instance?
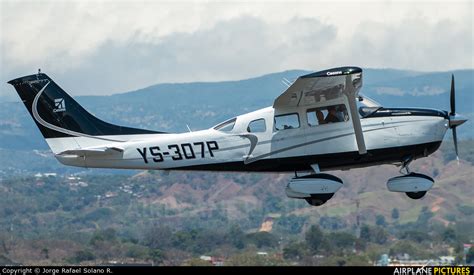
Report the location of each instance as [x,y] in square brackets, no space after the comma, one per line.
[316,188]
[318,199]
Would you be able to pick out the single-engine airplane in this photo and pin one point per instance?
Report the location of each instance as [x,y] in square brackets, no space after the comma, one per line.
[315,125]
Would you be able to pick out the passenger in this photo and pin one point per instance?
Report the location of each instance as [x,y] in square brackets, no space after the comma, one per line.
[341,114]
[332,115]
[320,117]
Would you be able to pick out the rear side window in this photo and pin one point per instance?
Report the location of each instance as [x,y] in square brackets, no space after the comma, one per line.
[226,126]
[288,121]
[257,126]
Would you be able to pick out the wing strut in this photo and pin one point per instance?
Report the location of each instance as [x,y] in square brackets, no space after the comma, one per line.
[350,92]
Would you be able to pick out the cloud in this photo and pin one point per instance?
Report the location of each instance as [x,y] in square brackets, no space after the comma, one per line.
[106,47]
[389,91]
[414,44]
[428,90]
[237,48]
[424,91]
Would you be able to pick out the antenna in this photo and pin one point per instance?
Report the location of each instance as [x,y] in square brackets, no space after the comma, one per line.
[189,129]
[286,82]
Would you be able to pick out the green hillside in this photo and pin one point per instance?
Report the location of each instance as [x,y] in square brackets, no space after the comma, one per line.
[54,214]
[97,219]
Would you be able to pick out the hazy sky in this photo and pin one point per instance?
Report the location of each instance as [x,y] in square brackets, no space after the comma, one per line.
[104,47]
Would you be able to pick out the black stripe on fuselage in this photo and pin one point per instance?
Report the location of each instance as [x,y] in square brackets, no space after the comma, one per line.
[326,162]
[398,112]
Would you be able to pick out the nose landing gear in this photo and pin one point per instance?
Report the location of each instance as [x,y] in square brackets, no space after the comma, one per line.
[414,185]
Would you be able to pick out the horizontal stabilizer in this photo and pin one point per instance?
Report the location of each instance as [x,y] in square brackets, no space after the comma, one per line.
[93,152]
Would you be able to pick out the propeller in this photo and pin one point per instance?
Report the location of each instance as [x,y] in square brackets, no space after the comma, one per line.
[454,119]
[452,98]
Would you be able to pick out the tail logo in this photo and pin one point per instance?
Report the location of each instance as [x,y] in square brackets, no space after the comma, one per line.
[60,105]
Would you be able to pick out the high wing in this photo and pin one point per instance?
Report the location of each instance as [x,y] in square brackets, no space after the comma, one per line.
[326,85]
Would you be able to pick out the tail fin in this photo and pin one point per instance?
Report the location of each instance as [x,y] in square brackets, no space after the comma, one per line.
[58,115]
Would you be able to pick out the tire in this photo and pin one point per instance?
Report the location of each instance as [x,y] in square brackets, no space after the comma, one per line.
[319,199]
[416,195]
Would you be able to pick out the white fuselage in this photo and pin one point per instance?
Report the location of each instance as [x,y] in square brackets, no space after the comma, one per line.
[203,150]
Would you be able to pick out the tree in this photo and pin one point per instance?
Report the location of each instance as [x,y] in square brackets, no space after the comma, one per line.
[334,261]
[184,240]
[341,239]
[273,204]
[315,238]
[107,235]
[417,236]
[83,255]
[410,248]
[156,255]
[348,260]
[263,239]
[365,232]
[294,251]
[197,262]
[449,235]
[332,223]
[380,236]
[470,256]
[252,259]
[424,217]
[373,234]
[136,251]
[237,237]
[395,214]
[402,247]
[380,220]
[207,240]
[158,237]
[291,223]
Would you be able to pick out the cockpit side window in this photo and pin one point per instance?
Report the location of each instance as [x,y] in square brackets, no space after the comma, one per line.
[288,121]
[257,126]
[327,114]
[226,126]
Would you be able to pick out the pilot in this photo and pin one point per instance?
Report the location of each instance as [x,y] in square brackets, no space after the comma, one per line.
[341,113]
[332,115]
[320,117]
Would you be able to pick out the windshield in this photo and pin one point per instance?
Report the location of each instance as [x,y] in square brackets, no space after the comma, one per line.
[367,106]
[367,102]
